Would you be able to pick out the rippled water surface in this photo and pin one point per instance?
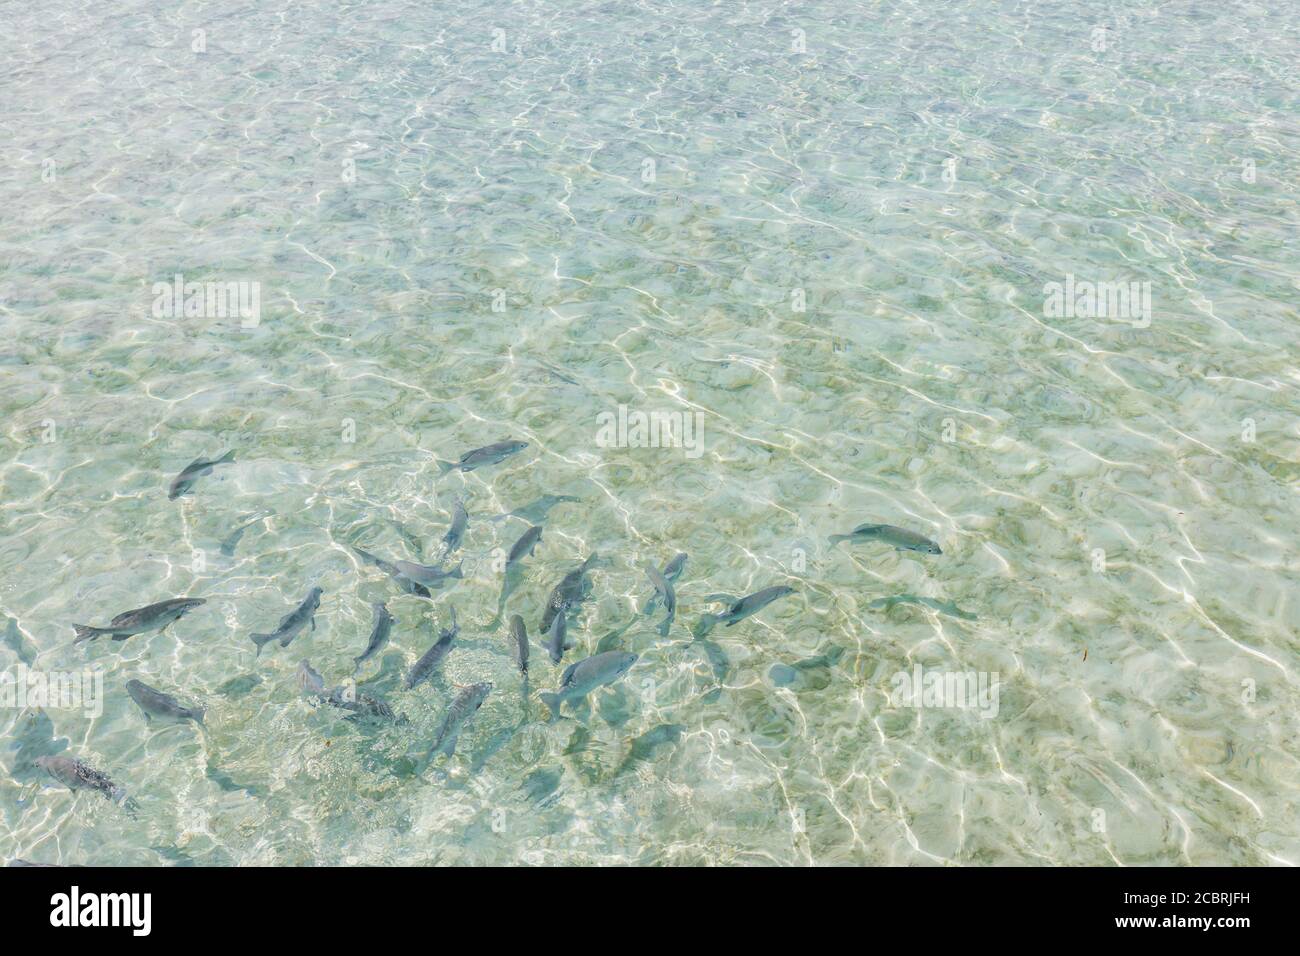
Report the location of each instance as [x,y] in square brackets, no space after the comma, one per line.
[824,232]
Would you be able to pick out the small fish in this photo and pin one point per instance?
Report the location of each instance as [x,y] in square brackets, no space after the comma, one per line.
[519,643]
[556,638]
[740,609]
[77,775]
[664,589]
[379,631]
[142,619]
[671,572]
[643,748]
[14,640]
[465,706]
[944,607]
[459,522]
[535,511]
[434,656]
[345,698]
[900,538]
[811,673]
[570,592]
[524,547]
[232,540]
[404,581]
[487,455]
[428,574]
[581,678]
[155,703]
[292,623]
[193,472]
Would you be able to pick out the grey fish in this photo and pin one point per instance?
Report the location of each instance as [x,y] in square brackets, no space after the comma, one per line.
[428,574]
[513,571]
[362,705]
[142,619]
[465,706]
[14,640]
[77,775]
[404,581]
[556,638]
[292,623]
[487,455]
[581,678]
[535,511]
[193,472]
[664,589]
[811,673]
[570,592]
[379,631]
[19,861]
[611,640]
[459,522]
[944,607]
[434,656]
[524,547]
[519,643]
[155,703]
[671,572]
[741,608]
[232,540]
[900,538]
[643,748]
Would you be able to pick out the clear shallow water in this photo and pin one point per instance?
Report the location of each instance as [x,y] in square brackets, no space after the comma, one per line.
[380,170]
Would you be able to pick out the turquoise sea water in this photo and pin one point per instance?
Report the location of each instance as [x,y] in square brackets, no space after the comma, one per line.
[825,232]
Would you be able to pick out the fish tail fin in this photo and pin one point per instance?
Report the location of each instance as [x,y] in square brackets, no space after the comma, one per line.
[226,459]
[553,702]
[86,633]
[445,466]
[261,640]
[199,714]
[459,572]
[836,538]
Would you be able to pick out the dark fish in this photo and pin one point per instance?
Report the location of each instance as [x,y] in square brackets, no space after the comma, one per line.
[570,592]
[14,640]
[611,641]
[740,609]
[150,618]
[379,631]
[459,522]
[535,511]
[900,538]
[406,583]
[556,640]
[487,455]
[465,706]
[427,574]
[345,698]
[523,548]
[434,656]
[580,679]
[232,541]
[519,643]
[292,623]
[77,775]
[671,572]
[513,571]
[643,748]
[664,589]
[943,607]
[194,471]
[811,673]
[155,703]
